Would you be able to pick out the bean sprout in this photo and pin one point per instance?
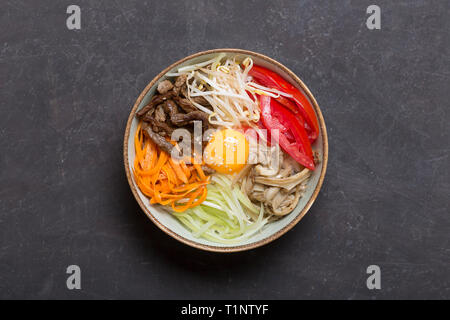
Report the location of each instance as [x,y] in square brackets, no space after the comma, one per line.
[226,86]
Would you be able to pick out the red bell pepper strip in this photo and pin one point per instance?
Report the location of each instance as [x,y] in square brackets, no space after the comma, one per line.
[288,104]
[273,80]
[293,107]
[292,136]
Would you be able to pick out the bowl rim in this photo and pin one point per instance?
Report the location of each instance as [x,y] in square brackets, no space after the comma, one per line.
[280,232]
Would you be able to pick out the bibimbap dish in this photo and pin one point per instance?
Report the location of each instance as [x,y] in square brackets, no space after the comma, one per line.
[226,150]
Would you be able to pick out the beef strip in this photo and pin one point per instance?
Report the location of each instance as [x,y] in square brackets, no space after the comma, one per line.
[160,116]
[156,100]
[171,108]
[159,140]
[149,114]
[164,86]
[183,91]
[145,110]
[180,85]
[161,127]
[201,100]
[180,80]
[183,119]
[184,104]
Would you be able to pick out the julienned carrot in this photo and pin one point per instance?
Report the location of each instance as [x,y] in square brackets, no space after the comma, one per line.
[164,180]
[189,186]
[178,170]
[190,203]
[150,157]
[199,171]
[185,168]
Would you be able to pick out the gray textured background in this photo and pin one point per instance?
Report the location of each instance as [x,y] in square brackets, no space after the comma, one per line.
[65,97]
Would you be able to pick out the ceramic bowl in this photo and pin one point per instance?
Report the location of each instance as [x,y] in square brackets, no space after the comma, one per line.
[166,222]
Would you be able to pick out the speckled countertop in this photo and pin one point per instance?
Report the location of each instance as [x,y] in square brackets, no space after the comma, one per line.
[65,97]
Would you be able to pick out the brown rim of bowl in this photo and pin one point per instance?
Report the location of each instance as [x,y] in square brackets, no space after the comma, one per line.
[273,236]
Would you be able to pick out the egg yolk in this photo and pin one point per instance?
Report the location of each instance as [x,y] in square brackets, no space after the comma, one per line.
[227,151]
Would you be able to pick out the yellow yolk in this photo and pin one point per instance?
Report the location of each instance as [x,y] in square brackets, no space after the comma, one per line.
[227,151]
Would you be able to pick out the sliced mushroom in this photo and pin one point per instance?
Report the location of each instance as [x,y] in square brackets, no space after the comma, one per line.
[248,186]
[258,196]
[288,204]
[241,174]
[265,171]
[258,187]
[287,183]
[278,199]
[270,193]
[270,160]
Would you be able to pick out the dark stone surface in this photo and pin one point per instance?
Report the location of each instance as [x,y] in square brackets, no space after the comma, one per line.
[65,97]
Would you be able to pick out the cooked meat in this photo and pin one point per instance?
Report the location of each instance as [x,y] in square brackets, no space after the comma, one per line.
[167,110]
[164,86]
[170,108]
[144,110]
[180,87]
[161,127]
[149,114]
[160,116]
[180,80]
[185,104]
[177,91]
[183,91]
[200,100]
[183,119]
[159,140]
[156,100]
